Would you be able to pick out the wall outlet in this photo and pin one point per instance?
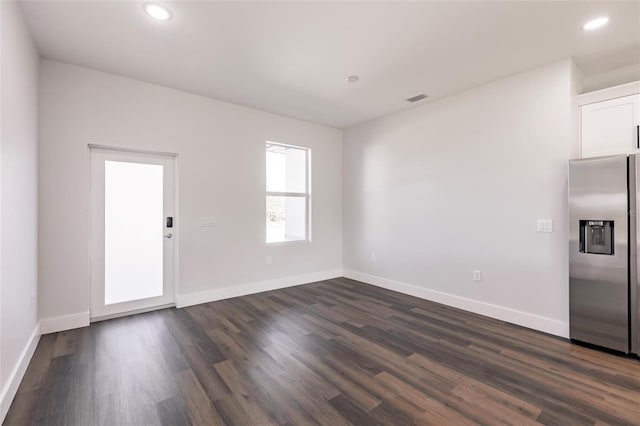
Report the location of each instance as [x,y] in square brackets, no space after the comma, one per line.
[477,275]
[373,257]
[208,222]
[544,225]
[33,299]
[268,260]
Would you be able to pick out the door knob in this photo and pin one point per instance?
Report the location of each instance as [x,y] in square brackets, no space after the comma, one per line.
[169,235]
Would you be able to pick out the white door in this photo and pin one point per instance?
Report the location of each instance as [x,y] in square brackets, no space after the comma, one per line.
[132,239]
[610,127]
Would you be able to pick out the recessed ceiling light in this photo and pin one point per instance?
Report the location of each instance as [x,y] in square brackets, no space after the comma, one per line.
[158,12]
[353,78]
[595,23]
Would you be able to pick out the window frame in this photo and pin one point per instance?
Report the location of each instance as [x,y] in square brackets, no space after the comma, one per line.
[306,195]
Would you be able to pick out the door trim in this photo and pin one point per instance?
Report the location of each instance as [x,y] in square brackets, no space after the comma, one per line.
[115,150]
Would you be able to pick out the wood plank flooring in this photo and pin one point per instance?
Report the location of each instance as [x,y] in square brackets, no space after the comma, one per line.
[333,353]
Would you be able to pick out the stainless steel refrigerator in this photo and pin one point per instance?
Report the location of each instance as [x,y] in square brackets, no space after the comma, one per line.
[603,243]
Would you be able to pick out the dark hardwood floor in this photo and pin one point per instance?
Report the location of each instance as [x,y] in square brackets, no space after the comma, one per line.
[332,353]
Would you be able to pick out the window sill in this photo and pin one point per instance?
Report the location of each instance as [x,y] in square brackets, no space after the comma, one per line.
[286,243]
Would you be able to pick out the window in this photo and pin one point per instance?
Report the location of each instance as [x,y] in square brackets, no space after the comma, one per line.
[288,195]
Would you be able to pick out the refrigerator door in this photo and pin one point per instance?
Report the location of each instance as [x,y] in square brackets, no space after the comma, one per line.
[634,284]
[599,279]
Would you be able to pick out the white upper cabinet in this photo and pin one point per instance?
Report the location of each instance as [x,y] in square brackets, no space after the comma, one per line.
[609,127]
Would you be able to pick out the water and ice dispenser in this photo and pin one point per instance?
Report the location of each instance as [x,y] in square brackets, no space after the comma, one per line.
[596,237]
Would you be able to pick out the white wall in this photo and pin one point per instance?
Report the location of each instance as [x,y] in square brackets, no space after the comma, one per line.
[615,77]
[458,184]
[221,164]
[18,200]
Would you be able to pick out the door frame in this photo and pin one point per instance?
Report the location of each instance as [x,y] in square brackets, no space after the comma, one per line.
[172,294]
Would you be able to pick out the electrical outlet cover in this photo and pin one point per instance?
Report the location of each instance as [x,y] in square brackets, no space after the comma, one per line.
[208,222]
[544,225]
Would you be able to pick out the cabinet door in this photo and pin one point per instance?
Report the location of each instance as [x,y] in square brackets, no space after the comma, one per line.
[610,127]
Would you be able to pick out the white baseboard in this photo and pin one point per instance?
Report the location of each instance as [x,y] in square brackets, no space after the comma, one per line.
[64,322]
[13,382]
[525,319]
[212,295]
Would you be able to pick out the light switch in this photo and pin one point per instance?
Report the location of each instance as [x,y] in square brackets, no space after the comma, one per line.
[208,222]
[545,225]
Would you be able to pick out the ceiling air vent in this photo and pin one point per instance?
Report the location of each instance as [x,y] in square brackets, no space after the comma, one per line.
[417,98]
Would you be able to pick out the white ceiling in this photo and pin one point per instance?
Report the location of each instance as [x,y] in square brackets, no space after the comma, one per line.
[292,58]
